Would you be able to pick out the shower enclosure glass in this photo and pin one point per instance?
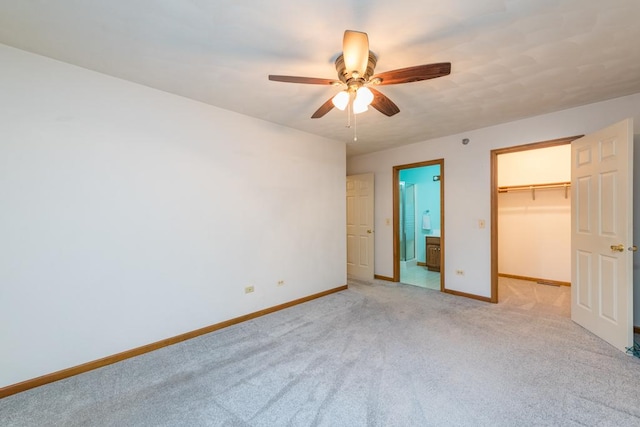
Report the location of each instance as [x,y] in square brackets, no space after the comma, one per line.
[407,221]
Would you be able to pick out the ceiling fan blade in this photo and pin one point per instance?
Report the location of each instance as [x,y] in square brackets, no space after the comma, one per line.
[305,80]
[324,109]
[414,74]
[383,104]
[355,50]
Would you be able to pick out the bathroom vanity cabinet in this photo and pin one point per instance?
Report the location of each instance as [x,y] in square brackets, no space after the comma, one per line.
[433,253]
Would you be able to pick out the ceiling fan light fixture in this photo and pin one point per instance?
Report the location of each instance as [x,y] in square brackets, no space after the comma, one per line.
[341,100]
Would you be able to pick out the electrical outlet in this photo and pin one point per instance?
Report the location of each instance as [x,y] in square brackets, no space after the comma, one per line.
[387,221]
[460,272]
[280,282]
[249,289]
[481,224]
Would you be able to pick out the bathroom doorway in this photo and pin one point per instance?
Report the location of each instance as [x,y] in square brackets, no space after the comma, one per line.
[418,219]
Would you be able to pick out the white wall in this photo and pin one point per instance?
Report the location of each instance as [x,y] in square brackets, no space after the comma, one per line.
[534,236]
[467,184]
[129,215]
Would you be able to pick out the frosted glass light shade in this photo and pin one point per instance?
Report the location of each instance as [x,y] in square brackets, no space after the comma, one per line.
[359,108]
[364,97]
[355,48]
[341,100]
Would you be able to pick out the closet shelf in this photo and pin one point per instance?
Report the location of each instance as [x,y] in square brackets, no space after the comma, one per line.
[534,187]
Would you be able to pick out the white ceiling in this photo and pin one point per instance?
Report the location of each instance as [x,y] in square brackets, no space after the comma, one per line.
[510,58]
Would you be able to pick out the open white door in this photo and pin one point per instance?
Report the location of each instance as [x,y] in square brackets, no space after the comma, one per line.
[360,226]
[601,233]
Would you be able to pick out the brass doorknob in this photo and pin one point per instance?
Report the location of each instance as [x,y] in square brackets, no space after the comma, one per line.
[369,231]
[617,248]
[633,248]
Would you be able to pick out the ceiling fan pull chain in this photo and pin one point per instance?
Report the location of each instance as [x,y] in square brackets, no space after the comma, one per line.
[355,128]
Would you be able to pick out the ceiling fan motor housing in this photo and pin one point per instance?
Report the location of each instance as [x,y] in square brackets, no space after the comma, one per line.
[353,79]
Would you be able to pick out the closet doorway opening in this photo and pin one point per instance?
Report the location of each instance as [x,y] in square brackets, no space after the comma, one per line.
[531,224]
[418,224]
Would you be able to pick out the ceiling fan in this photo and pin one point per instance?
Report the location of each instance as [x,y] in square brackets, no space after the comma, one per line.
[355,75]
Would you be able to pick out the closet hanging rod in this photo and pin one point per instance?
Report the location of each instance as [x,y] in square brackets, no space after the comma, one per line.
[533,186]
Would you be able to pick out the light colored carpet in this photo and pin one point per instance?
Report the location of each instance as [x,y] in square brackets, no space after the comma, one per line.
[378,354]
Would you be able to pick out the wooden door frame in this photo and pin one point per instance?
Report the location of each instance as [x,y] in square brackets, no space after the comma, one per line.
[494,198]
[396,216]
